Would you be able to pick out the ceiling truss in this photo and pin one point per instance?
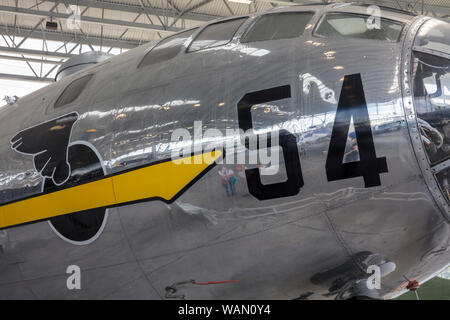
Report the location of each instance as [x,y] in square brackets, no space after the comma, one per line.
[108,25]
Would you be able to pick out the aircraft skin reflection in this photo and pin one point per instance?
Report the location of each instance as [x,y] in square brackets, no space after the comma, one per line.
[100,191]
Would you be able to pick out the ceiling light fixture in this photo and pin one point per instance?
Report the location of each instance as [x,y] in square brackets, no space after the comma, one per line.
[242,1]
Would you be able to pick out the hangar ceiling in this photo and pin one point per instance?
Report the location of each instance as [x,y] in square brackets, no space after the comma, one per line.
[43,33]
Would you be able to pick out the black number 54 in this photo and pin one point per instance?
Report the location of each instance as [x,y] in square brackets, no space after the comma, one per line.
[352,103]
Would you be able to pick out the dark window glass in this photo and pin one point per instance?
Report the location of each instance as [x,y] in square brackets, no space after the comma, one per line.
[73,90]
[166,49]
[431,76]
[358,26]
[216,34]
[275,26]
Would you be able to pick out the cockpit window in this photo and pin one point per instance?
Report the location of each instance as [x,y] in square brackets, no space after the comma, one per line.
[433,35]
[72,91]
[431,77]
[166,49]
[274,26]
[217,34]
[335,25]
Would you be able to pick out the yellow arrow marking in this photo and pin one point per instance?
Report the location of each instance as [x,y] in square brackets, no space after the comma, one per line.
[162,180]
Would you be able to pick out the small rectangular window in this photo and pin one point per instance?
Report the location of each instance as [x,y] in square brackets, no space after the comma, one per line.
[166,49]
[274,26]
[72,91]
[358,26]
[217,34]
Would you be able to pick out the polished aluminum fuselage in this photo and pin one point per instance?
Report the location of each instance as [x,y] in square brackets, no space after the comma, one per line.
[316,244]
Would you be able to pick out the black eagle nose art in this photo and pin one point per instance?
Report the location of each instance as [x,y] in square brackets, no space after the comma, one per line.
[47,143]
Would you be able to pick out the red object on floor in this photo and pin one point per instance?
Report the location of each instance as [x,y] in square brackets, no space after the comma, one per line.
[413,285]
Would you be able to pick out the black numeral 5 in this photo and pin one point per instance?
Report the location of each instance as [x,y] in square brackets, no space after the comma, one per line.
[287,141]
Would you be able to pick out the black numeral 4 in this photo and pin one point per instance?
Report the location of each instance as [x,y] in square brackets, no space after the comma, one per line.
[352,103]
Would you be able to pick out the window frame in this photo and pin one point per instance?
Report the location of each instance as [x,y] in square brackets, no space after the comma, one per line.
[245,18]
[322,18]
[91,75]
[416,55]
[252,24]
[196,30]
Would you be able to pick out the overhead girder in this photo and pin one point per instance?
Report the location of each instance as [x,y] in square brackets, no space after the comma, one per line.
[167,17]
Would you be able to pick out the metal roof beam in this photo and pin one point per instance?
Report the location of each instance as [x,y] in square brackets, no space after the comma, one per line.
[439,10]
[68,37]
[17,58]
[88,19]
[7,76]
[37,53]
[136,9]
